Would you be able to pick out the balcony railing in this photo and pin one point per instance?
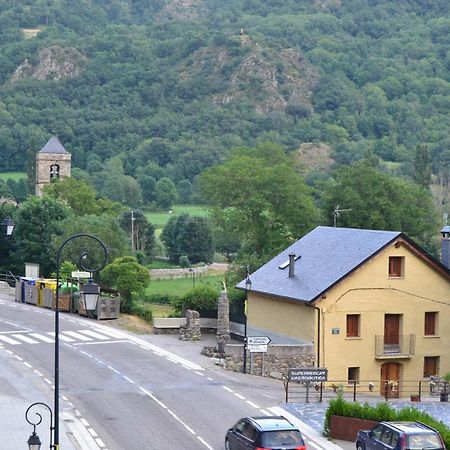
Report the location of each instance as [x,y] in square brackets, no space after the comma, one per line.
[404,348]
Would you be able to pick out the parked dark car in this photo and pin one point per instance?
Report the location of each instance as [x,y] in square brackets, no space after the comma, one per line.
[264,433]
[399,436]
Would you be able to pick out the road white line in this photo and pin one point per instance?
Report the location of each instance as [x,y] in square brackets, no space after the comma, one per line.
[77,336]
[100,443]
[128,379]
[114,370]
[95,335]
[23,338]
[239,396]
[112,333]
[62,337]
[84,422]
[9,340]
[144,344]
[98,343]
[204,443]
[228,389]
[42,338]
[266,413]
[319,441]
[252,404]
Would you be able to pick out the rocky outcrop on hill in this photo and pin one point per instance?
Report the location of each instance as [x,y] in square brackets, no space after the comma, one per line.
[274,80]
[180,10]
[270,80]
[54,63]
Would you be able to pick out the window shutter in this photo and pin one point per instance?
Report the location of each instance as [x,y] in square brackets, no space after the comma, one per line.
[430,323]
[352,325]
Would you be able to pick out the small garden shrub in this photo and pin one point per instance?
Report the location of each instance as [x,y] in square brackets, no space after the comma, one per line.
[382,412]
[202,298]
[162,299]
[140,311]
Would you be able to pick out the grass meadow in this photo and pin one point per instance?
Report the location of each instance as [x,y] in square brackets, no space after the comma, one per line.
[179,286]
[16,176]
[159,219]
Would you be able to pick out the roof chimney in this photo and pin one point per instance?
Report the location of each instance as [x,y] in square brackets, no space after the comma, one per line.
[291,265]
[445,246]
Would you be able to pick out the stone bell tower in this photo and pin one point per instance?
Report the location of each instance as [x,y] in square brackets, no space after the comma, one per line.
[52,161]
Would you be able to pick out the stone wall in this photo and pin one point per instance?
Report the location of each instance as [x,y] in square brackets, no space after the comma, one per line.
[275,363]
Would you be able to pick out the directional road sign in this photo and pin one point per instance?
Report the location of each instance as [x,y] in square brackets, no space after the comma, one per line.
[257,348]
[258,340]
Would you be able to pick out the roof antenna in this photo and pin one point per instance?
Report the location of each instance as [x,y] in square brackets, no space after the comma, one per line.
[445,219]
[336,214]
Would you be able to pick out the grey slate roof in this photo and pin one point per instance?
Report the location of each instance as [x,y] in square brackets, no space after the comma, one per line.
[327,255]
[53,146]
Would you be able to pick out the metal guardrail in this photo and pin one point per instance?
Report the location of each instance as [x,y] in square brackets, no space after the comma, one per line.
[414,390]
[9,278]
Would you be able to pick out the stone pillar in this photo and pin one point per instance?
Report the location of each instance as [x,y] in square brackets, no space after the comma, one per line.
[223,321]
[191,331]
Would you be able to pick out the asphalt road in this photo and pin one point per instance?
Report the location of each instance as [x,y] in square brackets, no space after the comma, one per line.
[130,393]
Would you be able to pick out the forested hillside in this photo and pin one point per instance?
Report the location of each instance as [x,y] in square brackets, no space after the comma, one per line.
[174,85]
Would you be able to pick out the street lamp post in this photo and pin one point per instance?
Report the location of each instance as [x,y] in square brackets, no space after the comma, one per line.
[82,260]
[132,231]
[248,286]
[9,205]
[34,443]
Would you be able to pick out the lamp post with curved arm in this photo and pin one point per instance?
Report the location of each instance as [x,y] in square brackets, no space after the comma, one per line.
[34,443]
[83,257]
[9,205]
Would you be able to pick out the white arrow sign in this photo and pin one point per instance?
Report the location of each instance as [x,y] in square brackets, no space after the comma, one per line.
[257,348]
[258,340]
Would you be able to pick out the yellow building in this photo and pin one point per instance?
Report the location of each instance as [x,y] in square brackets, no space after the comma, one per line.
[373,303]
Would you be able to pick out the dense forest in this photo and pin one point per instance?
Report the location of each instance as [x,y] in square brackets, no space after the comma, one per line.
[277,115]
[170,87]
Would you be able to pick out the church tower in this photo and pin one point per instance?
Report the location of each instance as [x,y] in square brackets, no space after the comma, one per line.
[52,161]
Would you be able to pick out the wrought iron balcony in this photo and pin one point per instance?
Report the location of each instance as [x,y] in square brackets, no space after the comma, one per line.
[403,346]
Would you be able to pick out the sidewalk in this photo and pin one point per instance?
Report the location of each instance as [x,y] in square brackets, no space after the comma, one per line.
[16,395]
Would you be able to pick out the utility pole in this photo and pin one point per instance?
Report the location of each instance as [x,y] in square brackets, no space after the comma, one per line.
[132,231]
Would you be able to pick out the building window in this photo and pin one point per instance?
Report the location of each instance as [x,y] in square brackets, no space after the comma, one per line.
[54,171]
[431,323]
[353,325]
[396,266]
[353,374]
[430,366]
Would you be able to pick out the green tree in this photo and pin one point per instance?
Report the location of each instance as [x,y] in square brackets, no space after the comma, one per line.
[127,276]
[190,236]
[148,187]
[381,202]
[260,197]
[79,195]
[143,232]
[165,193]
[422,166]
[105,227]
[38,221]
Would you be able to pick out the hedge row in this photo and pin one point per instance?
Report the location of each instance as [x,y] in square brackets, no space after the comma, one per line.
[383,412]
